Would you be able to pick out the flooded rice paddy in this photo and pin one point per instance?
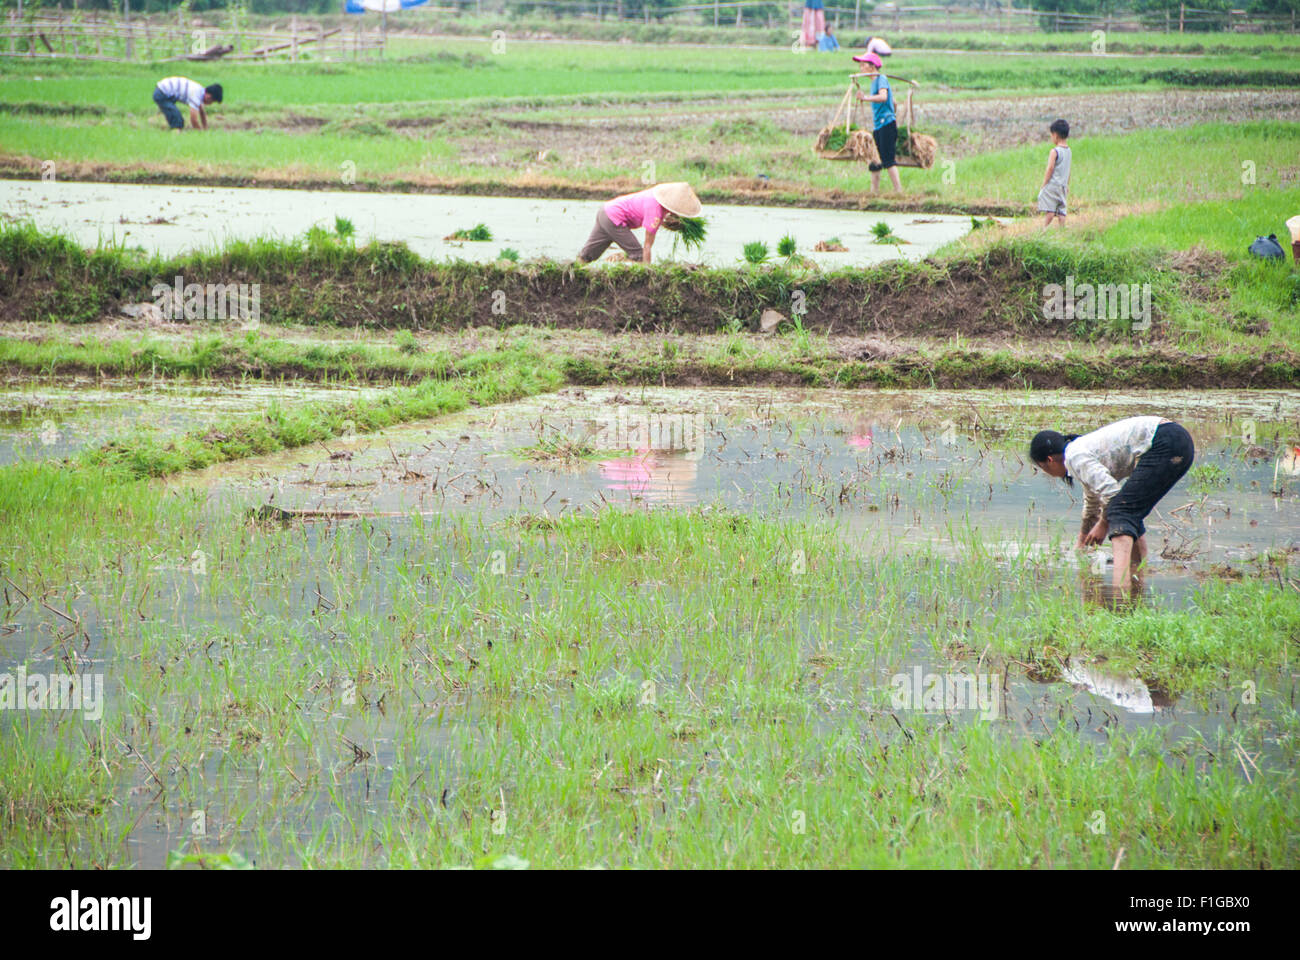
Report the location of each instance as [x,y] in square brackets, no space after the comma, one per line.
[39,420]
[906,467]
[402,613]
[173,220]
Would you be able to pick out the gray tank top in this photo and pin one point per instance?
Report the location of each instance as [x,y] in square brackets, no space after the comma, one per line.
[1061,172]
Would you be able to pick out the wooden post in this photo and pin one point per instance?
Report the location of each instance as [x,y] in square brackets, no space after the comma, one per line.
[130,45]
[715,12]
[857,12]
[293,26]
[1182,8]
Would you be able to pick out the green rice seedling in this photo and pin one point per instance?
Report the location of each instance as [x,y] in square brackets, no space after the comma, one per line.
[756,252]
[406,342]
[884,233]
[344,227]
[509,253]
[836,139]
[480,233]
[1208,476]
[787,246]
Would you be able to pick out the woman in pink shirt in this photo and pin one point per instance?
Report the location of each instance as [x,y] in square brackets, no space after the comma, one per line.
[660,206]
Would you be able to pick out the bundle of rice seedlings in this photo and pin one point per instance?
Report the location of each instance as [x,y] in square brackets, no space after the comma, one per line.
[885,233]
[756,251]
[836,137]
[786,246]
[481,232]
[691,230]
[858,144]
[923,148]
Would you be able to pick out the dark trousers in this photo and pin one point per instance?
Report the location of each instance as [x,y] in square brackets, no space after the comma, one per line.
[605,232]
[886,145]
[169,109]
[1154,475]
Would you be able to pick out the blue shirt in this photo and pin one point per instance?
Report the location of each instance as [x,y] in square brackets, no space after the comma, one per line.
[883,112]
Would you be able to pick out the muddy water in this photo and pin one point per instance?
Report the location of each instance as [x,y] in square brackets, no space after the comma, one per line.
[905,467]
[172,220]
[40,421]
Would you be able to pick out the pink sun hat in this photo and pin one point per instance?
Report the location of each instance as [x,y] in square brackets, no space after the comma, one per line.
[870,58]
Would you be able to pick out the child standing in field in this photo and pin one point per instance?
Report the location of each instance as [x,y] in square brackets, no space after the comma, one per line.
[1056,181]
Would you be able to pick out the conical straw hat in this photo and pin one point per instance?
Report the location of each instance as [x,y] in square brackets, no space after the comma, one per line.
[678,198]
[1293,225]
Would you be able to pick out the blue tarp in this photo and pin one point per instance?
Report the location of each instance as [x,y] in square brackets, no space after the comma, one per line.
[380,6]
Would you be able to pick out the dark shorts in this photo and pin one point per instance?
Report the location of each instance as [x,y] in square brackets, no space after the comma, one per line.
[1154,475]
[169,109]
[886,145]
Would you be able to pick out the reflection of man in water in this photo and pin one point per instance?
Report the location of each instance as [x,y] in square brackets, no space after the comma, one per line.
[1131,693]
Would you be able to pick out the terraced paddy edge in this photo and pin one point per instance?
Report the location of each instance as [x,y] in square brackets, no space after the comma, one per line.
[753,194]
[999,289]
[644,360]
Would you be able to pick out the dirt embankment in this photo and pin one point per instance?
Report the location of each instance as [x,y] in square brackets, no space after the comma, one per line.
[994,294]
[975,321]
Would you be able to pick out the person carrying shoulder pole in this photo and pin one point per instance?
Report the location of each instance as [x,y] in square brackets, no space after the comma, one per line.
[884,120]
[1153,453]
[174,90]
[662,205]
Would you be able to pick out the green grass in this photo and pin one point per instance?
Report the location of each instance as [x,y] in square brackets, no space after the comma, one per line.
[461,70]
[630,690]
[1184,165]
[443,106]
[907,41]
[489,379]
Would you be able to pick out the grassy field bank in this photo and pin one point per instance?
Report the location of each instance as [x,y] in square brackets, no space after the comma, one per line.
[585,120]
